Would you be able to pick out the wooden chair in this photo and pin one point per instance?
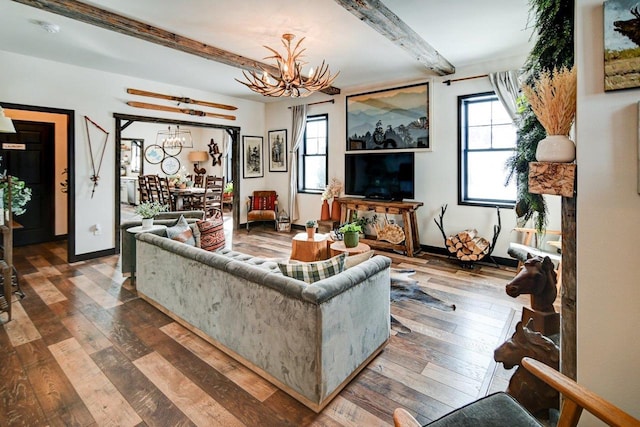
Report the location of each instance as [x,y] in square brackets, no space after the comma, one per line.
[211,199]
[154,188]
[165,194]
[198,181]
[262,206]
[502,409]
[144,189]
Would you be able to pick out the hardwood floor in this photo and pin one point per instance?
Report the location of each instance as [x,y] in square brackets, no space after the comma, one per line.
[83,349]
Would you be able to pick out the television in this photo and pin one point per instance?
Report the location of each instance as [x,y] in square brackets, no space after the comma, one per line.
[382,176]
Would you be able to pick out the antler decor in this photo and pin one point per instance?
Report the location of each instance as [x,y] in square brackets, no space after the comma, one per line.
[290,82]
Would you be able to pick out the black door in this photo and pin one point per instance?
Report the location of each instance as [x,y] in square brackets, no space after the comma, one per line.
[29,154]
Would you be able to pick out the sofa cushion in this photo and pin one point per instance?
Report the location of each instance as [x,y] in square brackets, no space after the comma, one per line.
[212,232]
[311,272]
[181,232]
[353,260]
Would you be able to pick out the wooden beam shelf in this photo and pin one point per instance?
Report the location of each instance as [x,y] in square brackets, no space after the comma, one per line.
[552,178]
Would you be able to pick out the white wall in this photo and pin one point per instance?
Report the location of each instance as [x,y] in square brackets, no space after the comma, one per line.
[436,171]
[608,212]
[96,94]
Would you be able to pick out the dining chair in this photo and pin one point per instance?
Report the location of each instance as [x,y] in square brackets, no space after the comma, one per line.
[154,189]
[165,195]
[144,189]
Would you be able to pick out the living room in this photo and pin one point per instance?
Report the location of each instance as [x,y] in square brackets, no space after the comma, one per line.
[606,144]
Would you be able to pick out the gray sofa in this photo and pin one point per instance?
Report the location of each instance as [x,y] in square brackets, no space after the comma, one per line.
[128,240]
[309,340]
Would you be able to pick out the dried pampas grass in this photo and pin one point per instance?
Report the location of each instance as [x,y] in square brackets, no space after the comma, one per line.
[553,100]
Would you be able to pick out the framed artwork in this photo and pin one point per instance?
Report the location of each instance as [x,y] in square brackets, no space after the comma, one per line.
[390,119]
[252,157]
[170,165]
[278,150]
[621,44]
[154,154]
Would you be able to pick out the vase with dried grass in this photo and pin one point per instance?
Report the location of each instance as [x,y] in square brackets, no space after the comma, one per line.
[553,101]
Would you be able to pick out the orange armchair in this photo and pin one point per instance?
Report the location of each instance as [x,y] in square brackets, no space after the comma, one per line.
[262,206]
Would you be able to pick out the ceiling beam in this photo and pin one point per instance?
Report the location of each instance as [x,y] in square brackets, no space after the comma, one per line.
[387,23]
[111,21]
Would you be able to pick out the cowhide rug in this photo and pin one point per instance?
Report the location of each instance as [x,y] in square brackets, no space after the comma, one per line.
[403,288]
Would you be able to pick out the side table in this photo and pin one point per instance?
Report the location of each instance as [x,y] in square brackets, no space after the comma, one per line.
[338,247]
[138,229]
[308,250]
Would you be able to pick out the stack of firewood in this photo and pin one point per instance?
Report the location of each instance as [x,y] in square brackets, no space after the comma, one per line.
[467,246]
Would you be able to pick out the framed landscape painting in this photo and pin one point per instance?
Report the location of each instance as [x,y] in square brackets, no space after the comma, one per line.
[621,44]
[391,119]
[252,156]
[278,150]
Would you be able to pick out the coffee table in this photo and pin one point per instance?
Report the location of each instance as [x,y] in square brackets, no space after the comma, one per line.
[338,247]
[308,250]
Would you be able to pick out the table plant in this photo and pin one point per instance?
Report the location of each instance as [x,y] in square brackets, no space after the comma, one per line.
[148,210]
[351,232]
[311,228]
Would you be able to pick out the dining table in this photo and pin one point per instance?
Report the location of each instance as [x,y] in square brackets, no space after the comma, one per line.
[180,194]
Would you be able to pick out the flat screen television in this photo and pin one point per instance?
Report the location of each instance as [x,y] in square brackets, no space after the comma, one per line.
[384,176]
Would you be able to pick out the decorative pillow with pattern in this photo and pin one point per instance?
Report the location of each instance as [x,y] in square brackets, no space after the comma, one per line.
[310,272]
[181,232]
[212,232]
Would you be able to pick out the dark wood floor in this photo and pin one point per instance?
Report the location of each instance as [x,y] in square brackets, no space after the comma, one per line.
[83,349]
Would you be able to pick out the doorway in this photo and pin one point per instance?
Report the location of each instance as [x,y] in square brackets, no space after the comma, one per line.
[125,127]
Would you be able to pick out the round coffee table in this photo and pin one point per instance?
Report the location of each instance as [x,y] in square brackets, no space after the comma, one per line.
[338,247]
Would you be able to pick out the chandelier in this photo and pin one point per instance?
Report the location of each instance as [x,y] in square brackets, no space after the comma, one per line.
[289,81]
[176,138]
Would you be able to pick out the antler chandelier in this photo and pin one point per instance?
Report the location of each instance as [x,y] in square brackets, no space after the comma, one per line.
[290,81]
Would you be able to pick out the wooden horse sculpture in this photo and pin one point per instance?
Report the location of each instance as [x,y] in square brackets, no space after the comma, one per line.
[531,392]
[538,278]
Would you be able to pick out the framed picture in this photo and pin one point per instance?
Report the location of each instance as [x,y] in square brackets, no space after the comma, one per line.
[154,154]
[391,119]
[621,44]
[278,150]
[170,165]
[252,157]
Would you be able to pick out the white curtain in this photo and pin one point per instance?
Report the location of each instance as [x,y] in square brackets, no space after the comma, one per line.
[507,88]
[298,123]
[226,147]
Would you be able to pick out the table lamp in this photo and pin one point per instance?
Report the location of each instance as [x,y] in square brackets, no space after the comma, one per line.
[196,157]
[6,125]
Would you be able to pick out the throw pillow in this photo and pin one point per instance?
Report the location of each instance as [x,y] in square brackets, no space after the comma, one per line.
[353,260]
[313,271]
[181,232]
[212,232]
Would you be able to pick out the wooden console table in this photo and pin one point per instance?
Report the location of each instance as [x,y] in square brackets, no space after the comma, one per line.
[411,244]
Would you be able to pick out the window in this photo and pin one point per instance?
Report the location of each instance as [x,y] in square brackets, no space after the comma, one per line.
[487,138]
[312,160]
[136,156]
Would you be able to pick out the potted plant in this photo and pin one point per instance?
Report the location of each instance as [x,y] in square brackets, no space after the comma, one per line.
[147,210]
[553,100]
[311,228]
[20,195]
[351,232]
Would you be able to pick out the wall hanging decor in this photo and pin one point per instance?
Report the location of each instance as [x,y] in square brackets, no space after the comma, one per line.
[389,119]
[252,157]
[621,44]
[278,150]
[95,177]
